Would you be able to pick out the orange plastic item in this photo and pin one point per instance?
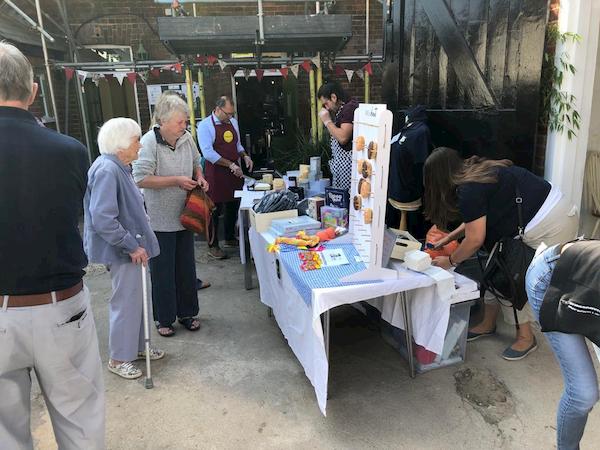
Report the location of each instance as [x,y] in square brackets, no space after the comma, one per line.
[327,234]
[434,235]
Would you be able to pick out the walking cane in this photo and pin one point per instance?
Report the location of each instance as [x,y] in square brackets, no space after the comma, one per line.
[148,382]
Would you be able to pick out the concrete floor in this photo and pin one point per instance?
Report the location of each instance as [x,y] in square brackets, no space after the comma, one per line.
[237,384]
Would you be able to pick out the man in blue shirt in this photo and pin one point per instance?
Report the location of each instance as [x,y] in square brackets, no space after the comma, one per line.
[219,139]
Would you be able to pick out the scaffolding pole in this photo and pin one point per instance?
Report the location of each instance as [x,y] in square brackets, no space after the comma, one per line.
[319,105]
[313,106]
[202,94]
[190,99]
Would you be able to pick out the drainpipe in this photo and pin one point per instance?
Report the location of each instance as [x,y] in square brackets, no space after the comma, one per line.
[319,105]
[202,97]
[313,105]
[367,93]
[190,98]
[261,24]
[48,72]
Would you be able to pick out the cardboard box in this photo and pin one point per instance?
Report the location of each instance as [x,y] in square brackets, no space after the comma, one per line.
[262,221]
[340,198]
[314,207]
[334,217]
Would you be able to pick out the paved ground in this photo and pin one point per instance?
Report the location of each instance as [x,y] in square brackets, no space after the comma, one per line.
[237,384]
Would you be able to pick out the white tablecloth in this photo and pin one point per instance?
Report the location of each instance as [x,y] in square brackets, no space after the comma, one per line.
[301,325]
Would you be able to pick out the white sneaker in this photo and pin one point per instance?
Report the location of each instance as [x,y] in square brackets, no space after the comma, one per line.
[155,353]
[126,370]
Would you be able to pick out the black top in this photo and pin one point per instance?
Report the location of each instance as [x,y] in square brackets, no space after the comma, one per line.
[497,202]
[346,115]
[42,184]
[407,156]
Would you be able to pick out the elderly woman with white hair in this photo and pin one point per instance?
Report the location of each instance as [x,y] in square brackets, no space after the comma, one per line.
[117,233]
[169,167]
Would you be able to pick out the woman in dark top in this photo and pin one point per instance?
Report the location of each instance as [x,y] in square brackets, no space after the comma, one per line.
[338,116]
[481,193]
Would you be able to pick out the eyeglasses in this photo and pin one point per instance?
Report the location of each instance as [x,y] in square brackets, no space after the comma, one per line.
[229,114]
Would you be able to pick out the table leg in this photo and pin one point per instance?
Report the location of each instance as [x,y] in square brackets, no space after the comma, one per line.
[405,304]
[248,263]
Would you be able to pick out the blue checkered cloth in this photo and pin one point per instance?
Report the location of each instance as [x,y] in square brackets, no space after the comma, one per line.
[324,277]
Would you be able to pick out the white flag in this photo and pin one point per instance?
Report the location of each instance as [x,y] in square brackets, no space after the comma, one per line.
[222,64]
[294,68]
[349,74]
[96,77]
[82,75]
[120,76]
[247,74]
[360,74]
[316,61]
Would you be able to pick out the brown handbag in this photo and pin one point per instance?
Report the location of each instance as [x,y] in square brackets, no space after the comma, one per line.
[197,213]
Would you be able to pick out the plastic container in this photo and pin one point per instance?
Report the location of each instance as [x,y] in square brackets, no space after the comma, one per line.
[455,342]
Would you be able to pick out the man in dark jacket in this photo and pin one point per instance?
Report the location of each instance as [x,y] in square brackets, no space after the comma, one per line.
[46,321]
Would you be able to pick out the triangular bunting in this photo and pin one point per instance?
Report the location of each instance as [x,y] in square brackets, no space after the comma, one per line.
[259,74]
[82,75]
[349,74]
[294,68]
[246,73]
[96,78]
[360,74]
[177,67]
[306,65]
[155,72]
[108,76]
[368,68]
[120,76]
[131,76]
[316,61]
[284,72]
[69,72]
[212,59]
[222,64]
[339,70]
[200,59]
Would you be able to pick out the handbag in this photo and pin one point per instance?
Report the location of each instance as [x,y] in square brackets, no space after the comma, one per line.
[197,212]
[506,266]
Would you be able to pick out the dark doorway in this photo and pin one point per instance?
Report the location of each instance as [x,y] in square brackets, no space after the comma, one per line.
[262,112]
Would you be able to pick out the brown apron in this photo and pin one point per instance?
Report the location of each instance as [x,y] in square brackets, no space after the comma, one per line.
[222,182]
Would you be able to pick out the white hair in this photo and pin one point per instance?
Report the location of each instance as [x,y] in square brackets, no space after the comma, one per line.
[117,134]
[16,74]
[168,104]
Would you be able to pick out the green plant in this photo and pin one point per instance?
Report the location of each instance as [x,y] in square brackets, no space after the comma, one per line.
[297,149]
[558,106]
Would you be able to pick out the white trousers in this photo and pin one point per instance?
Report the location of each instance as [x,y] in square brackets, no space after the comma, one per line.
[65,357]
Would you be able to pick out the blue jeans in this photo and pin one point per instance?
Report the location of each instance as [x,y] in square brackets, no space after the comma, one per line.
[572,353]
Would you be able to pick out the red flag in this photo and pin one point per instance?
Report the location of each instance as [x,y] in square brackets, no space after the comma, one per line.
[131,77]
[339,71]
[200,59]
[259,74]
[306,65]
[155,72]
[368,68]
[108,76]
[69,72]
[212,59]
[284,72]
[177,67]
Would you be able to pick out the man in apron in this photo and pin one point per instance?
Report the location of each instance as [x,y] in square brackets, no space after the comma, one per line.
[219,139]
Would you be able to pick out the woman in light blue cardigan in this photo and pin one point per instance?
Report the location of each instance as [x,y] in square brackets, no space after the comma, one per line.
[117,233]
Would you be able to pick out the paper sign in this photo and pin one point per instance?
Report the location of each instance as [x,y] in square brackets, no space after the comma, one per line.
[334,257]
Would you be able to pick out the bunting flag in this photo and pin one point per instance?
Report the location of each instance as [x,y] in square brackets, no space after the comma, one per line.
[317,61]
[200,59]
[69,72]
[339,70]
[212,59]
[131,76]
[222,64]
[368,68]
[120,76]
[177,67]
[349,74]
[284,72]
[360,74]
[259,74]
[82,75]
[294,68]
[144,75]
[96,78]
[108,76]
[246,73]
[306,65]
[155,72]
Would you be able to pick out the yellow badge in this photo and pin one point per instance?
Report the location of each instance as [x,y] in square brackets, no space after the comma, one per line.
[228,136]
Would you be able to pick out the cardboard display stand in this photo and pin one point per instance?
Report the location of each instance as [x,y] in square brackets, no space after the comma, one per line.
[368,193]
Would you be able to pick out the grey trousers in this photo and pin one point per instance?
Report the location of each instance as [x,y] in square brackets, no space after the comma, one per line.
[66,360]
[126,330]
